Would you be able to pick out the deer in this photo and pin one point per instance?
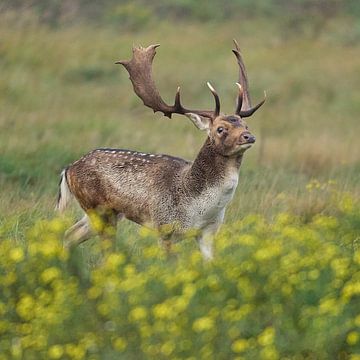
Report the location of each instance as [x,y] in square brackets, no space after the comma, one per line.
[157,190]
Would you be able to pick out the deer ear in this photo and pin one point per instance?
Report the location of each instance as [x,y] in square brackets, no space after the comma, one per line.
[200,122]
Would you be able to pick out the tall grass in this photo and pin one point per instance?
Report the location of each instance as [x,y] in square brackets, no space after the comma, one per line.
[62,95]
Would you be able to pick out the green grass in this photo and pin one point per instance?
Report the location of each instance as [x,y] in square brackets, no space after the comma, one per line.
[61,95]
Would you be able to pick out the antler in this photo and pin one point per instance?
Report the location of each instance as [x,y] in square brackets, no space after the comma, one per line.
[244,108]
[140,71]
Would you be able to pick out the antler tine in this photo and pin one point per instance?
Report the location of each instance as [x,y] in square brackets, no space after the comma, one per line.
[243,81]
[217,100]
[140,71]
[177,103]
[247,113]
[239,99]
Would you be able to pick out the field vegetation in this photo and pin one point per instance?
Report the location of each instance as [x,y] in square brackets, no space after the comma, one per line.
[285,282]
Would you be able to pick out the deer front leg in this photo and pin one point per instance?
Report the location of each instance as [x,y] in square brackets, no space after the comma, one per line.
[167,233]
[206,241]
[165,244]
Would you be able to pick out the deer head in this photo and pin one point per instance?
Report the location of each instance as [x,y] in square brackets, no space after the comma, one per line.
[228,133]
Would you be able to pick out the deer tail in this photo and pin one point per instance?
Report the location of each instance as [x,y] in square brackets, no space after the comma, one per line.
[64,193]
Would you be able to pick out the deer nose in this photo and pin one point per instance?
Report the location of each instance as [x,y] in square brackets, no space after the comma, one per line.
[247,137]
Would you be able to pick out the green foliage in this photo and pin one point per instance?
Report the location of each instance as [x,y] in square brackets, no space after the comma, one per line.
[276,290]
[130,15]
[137,14]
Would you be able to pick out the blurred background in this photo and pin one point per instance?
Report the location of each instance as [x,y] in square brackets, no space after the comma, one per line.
[61,94]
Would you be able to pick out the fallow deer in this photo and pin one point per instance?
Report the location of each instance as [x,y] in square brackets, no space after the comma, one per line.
[159,190]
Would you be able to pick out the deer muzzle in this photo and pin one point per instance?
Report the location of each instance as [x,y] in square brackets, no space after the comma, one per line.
[247,138]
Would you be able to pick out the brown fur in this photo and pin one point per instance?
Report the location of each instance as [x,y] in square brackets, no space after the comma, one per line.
[153,189]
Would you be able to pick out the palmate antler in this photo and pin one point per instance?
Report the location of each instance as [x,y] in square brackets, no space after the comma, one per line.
[243,107]
[140,71]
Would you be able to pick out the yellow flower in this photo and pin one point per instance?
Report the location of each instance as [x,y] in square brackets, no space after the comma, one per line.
[346,203]
[268,252]
[267,336]
[55,352]
[180,303]
[75,352]
[269,353]
[352,338]
[357,257]
[351,289]
[48,249]
[313,274]
[103,309]
[119,344]
[50,274]
[152,252]
[16,254]
[57,226]
[247,240]
[340,266]
[114,260]
[239,345]
[283,219]
[25,307]
[139,313]
[329,306]
[203,324]
[162,311]
[167,348]
[94,292]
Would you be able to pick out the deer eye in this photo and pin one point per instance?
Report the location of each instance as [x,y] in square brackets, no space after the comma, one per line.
[220,130]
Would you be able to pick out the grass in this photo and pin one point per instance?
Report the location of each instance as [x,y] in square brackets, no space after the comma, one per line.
[62,95]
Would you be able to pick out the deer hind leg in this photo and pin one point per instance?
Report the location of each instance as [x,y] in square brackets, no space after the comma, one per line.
[78,233]
[83,230]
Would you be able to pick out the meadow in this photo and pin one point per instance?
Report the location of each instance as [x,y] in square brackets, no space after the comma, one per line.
[285,282]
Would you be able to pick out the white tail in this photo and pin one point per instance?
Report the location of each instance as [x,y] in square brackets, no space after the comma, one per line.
[64,193]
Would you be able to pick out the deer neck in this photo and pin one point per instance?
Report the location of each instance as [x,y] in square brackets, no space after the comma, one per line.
[211,169]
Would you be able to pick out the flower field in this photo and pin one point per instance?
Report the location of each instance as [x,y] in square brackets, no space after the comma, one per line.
[280,289]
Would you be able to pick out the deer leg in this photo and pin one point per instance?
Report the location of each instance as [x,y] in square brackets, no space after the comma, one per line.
[107,231]
[165,240]
[165,244]
[206,241]
[109,221]
[78,233]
